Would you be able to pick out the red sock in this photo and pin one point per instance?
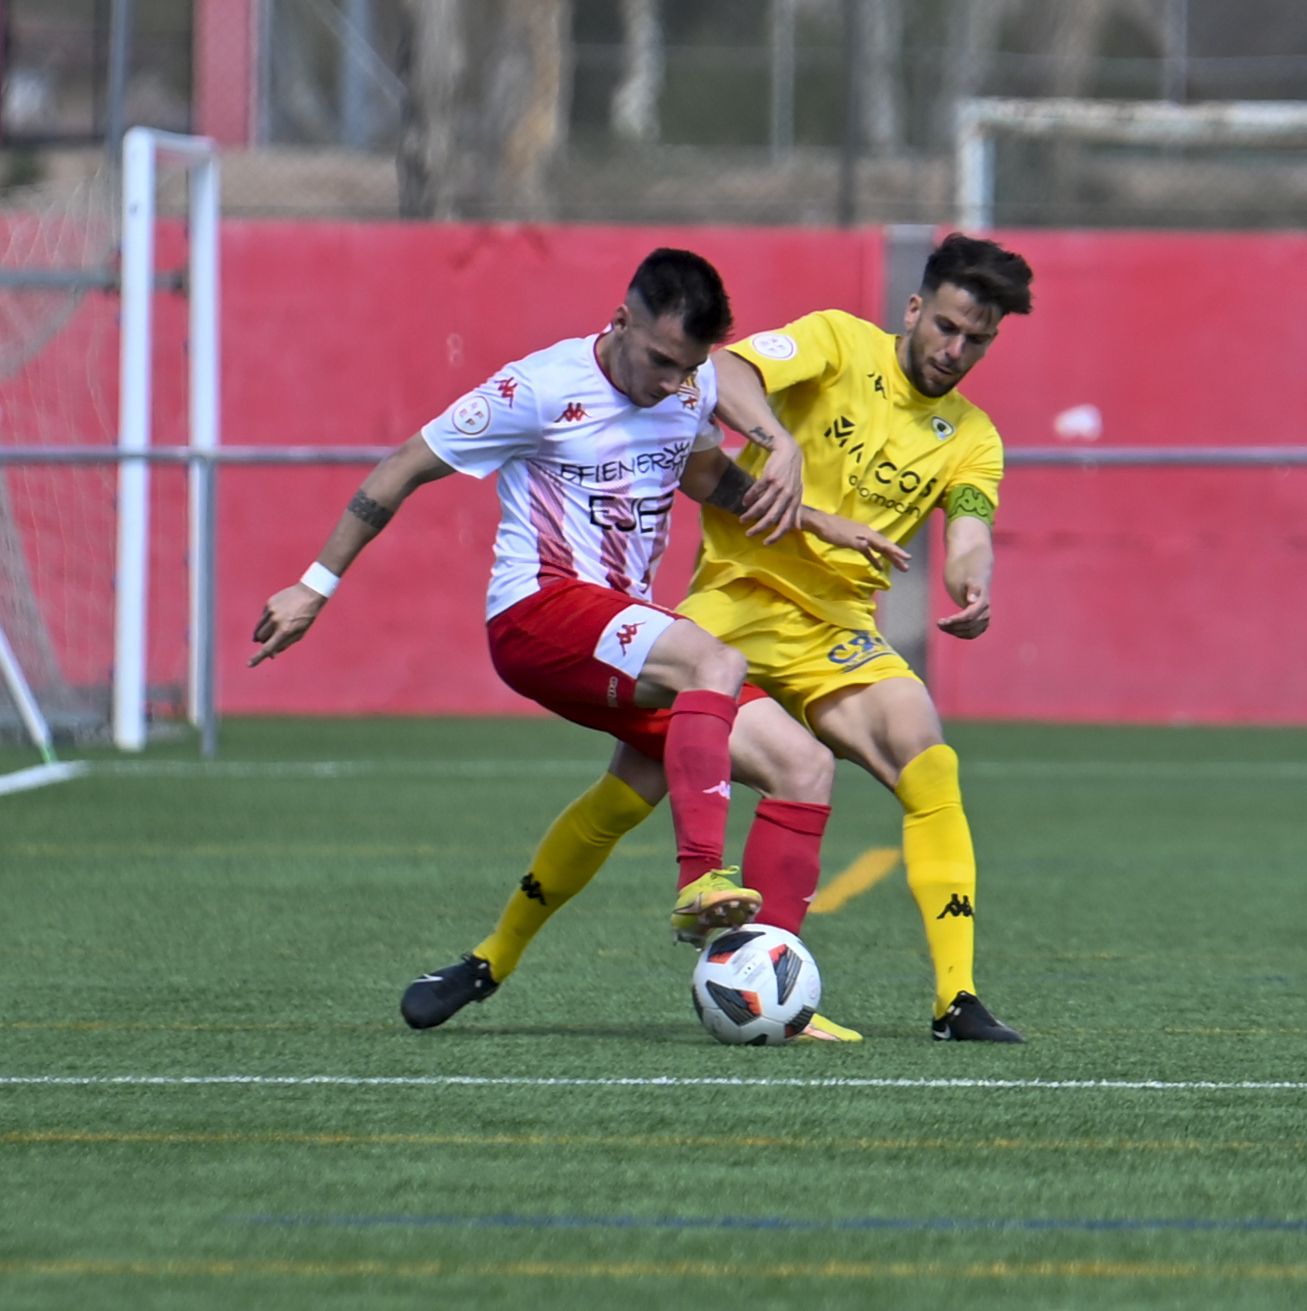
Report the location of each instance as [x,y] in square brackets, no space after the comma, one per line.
[697,758]
[782,859]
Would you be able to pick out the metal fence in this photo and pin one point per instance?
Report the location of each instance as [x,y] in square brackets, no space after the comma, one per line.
[775,111]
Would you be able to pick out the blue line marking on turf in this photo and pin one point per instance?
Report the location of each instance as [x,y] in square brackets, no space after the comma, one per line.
[864,1223]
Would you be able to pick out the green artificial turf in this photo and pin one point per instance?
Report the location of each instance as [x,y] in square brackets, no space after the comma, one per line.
[579,1140]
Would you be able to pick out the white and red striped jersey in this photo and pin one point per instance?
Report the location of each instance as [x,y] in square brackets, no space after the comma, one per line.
[586,477]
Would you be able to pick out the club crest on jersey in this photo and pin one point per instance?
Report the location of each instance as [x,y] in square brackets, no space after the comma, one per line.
[688,392]
[471,414]
[943,429]
[775,345]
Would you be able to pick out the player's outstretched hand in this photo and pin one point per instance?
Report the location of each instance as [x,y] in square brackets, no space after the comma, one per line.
[973,619]
[835,530]
[774,502]
[285,619]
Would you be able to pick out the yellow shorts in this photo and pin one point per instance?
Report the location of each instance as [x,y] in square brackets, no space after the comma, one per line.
[792,655]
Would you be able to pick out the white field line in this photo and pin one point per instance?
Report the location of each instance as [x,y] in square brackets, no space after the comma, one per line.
[657,1081]
[39,776]
[1029,770]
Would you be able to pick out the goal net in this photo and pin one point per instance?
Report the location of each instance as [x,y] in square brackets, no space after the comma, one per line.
[58,355]
[87,537]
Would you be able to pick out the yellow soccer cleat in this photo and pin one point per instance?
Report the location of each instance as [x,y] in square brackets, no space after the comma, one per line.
[713,901]
[820,1029]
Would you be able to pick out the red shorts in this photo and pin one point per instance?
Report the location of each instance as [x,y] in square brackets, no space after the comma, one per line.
[577,649]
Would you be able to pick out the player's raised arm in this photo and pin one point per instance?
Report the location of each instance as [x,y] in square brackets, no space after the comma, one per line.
[289,614]
[711,478]
[968,572]
[776,497]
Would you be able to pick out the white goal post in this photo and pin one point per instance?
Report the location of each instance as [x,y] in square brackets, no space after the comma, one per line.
[142,149]
[76,558]
[979,122]
[11,675]
[51,769]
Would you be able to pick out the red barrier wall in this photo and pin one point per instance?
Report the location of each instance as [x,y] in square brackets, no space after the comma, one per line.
[349,334]
[1150,595]
[1159,594]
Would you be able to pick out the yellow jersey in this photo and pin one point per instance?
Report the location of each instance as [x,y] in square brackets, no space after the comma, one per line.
[875,450]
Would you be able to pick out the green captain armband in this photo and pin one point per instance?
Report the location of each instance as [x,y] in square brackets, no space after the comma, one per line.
[970,502]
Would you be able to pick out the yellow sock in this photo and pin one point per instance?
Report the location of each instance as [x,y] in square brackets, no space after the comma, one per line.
[568,857]
[941,867]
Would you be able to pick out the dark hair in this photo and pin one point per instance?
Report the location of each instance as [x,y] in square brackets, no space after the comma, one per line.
[681,282]
[994,276]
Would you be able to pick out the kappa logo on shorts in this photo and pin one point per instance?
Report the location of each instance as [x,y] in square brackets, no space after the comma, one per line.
[627,639]
[626,634]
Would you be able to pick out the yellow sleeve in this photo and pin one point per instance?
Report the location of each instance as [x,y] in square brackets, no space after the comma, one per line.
[980,469]
[807,350]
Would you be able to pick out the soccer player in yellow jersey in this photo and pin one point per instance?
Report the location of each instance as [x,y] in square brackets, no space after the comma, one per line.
[886,439]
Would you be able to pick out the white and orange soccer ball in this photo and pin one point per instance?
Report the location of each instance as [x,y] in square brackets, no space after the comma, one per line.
[757,985]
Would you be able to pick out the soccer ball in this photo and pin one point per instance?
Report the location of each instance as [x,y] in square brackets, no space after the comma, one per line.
[757,985]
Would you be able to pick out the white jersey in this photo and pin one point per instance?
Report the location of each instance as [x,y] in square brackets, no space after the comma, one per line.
[586,477]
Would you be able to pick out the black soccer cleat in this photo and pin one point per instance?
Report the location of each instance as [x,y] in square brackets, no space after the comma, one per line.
[433,998]
[967,1020]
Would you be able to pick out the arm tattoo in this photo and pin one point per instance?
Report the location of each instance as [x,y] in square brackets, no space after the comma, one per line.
[969,501]
[365,508]
[729,493]
[761,437]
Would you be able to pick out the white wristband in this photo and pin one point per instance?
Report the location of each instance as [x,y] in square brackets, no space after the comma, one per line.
[320,579]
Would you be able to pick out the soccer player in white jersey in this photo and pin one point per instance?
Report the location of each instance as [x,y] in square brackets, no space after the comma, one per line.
[590,438]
